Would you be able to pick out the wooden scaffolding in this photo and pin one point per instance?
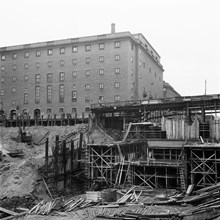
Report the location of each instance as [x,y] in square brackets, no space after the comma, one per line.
[204,161]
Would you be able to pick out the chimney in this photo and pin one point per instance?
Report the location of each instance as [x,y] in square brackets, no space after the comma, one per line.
[113,28]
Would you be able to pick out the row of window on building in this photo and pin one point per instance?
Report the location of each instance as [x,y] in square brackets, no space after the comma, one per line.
[49,88]
[61,76]
[88,48]
[49,95]
[62,62]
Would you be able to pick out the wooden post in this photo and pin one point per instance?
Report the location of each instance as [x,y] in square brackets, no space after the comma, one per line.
[80,148]
[55,119]
[46,156]
[71,161]
[64,164]
[82,117]
[56,155]
[75,118]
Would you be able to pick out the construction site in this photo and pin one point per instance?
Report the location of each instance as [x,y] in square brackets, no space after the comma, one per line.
[156,159]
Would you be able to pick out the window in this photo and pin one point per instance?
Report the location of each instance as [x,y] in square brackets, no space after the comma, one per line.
[101,85]
[132,72]
[117,44]
[38,53]
[101,59]
[74,49]
[149,70]
[61,110]
[117,57]
[62,50]
[87,72]
[132,46]
[62,62]
[117,98]
[26,65]
[140,51]
[62,76]
[74,86]
[132,59]
[26,77]
[3,57]
[37,94]
[144,64]
[26,54]
[50,51]
[101,72]
[13,102]
[117,85]
[14,67]
[25,98]
[74,96]
[49,77]
[74,110]
[13,90]
[49,63]
[88,59]
[74,73]
[101,46]
[88,48]
[87,109]
[2,68]
[37,65]
[49,94]
[87,99]
[2,79]
[49,110]
[140,63]
[61,93]
[2,92]
[117,70]
[14,78]
[155,75]
[14,56]
[87,86]
[74,61]
[37,78]
[25,90]
[101,98]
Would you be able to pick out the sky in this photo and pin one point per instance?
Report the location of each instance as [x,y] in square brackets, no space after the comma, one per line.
[185,33]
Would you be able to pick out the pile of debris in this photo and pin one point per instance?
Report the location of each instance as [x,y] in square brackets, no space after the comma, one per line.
[203,204]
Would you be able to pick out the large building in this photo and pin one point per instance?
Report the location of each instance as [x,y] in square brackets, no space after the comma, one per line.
[169,91]
[67,76]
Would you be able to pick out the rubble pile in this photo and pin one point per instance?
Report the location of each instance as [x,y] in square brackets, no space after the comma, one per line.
[19,162]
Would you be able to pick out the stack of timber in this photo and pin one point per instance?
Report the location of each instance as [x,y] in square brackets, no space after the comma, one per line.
[72,204]
[178,129]
[205,200]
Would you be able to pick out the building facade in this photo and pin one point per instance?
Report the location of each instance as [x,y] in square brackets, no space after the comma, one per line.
[169,91]
[67,76]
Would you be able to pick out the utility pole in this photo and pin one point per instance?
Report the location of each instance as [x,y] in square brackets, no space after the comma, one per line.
[205,86]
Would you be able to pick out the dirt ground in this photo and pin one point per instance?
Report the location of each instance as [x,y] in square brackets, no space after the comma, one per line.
[18,175]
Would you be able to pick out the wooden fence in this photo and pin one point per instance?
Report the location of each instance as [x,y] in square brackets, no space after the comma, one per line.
[178,129]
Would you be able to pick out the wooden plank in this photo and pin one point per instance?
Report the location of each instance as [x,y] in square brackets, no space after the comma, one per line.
[7,211]
[15,216]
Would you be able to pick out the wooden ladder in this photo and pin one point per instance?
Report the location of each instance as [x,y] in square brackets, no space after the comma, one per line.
[128,175]
[182,178]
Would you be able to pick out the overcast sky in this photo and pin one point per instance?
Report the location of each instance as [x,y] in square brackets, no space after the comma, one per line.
[186,33]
